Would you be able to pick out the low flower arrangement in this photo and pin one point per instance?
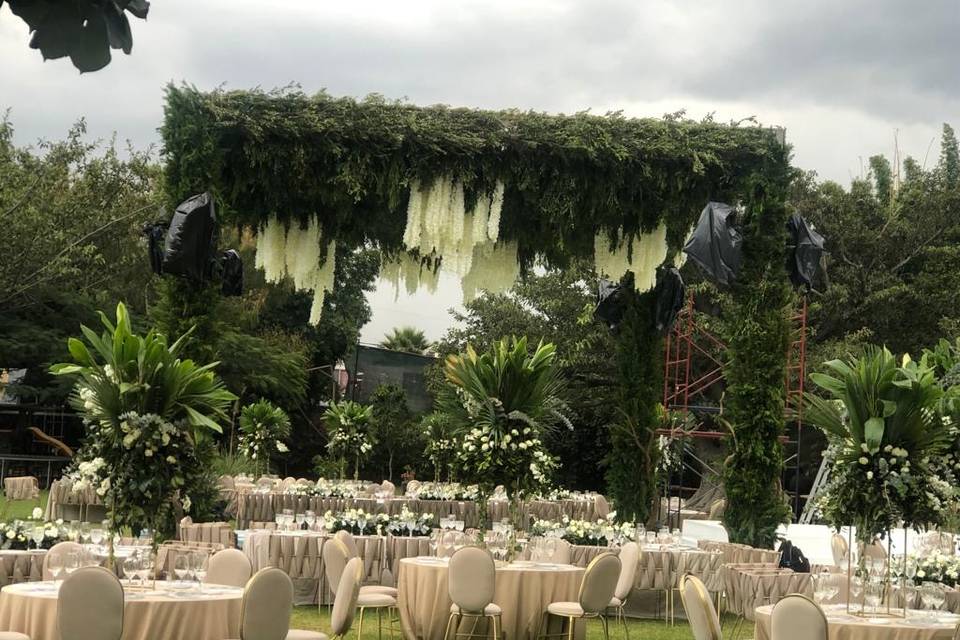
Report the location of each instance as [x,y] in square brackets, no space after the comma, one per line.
[356,521]
[409,524]
[555,494]
[447,491]
[323,489]
[18,534]
[584,532]
[935,567]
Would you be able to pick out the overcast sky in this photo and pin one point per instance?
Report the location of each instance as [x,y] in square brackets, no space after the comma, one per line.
[841,76]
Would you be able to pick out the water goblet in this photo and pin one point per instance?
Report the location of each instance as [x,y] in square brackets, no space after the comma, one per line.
[71,562]
[37,534]
[310,518]
[199,567]
[181,568]
[131,567]
[434,541]
[55,565]
[300,519]
[96,536]
[361,525]
[146,565]
[279,520]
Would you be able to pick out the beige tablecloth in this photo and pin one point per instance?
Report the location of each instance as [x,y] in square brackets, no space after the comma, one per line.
[218,532]
[64,502]
[522,592]
[21,566]
[155,616]
[740,553]
[300,556]
[845,627]
[21,488]
[750,586]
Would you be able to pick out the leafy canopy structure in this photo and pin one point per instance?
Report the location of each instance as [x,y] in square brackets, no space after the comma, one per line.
[350,163]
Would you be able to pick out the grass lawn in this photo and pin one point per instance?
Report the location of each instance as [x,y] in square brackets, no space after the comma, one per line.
[315,619]
[20,509]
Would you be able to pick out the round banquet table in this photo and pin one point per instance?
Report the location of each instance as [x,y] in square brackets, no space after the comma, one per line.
[523,591]
[843,626]
[214,614]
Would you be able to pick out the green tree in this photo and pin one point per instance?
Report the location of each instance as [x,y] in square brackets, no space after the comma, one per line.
[882,178]
[408,339]
[950,157]
[397,434]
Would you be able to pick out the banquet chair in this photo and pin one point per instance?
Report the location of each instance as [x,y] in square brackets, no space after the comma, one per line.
[230,567]
[629,558]
[388,487]
[335,559]
[839,549]
[63,548]
[353,551]
[471,582]
[344,605]
[412,487]
[90,605]
[703,618]
[596,592]
[13,635]
[797,617]
[266,607]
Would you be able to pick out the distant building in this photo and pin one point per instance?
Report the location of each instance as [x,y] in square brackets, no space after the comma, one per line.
[376,366]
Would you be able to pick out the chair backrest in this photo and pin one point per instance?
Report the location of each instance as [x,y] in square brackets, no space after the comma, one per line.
[629,559]
[63,548]
[335,558]
[797,617]
[471,579]
[349,542]
[267,603]
[839,549]
[389,487]
[700,612]
[229,566]
[599,583]
[561,553]
[90,605]
[345,601]
[875,550]
[413,486]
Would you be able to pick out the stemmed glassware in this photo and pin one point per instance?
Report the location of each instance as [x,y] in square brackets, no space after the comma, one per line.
[198,565]
[300,518]
[71,562]
[310,518]
[37,534]
[55,565]
[181,568]
[131,567]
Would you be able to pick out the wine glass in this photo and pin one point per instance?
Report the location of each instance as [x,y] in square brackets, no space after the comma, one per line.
[300,518]
[96,536]
[873,593]
[434,541]
[181,568]
[71,562]
[146,565]
[361,525]
[310,518]
[37,534]
[199,566]
[55,565]
[278,518]
[131,567]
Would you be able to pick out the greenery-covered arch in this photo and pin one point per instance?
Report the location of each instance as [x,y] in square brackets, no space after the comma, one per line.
[349,166]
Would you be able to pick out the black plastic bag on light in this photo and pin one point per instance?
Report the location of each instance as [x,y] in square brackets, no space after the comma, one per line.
[155,233]
[610,304]
[191,239]
[671,293]
[805,252]
[231,273]
[715,244]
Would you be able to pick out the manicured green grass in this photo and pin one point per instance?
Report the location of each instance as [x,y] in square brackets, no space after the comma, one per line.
[318,619]
[20,509]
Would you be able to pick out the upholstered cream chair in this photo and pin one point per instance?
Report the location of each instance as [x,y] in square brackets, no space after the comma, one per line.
[413,486]
[629,559]
[13,635]
[353,551]
[797,617]
[596,593]
[267,603]
[700,612]
[63,548]
[471,582]
[875,550]
[90,605]
[335,558]
[230,567]
[344,605]
[388,487]
[839,549]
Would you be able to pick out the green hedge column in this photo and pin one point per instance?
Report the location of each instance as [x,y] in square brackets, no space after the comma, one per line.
[631,477]
[754,403]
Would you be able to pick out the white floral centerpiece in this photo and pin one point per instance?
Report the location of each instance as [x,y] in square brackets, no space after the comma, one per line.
[348,429]
[357,522]
[18,534]
[409,524]
[263,429]
[601,532]
[448,491]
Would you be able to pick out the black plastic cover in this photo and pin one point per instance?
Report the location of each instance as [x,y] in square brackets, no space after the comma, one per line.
[231,283]
[715,244]
[805,252]
[192,239]
[610,304]
[671,293]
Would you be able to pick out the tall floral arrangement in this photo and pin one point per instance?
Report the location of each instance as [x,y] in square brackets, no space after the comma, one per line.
[146,410]
[887,439]
[263,429]
[348,427]
[501,403]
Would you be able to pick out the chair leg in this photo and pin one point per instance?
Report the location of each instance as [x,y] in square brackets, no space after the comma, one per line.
[623,619]
[446,632]
[360,624]
[380,623]
[570,623]
[606,627]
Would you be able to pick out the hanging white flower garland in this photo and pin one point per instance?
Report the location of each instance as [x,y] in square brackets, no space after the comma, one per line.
[642,257]
[298,254]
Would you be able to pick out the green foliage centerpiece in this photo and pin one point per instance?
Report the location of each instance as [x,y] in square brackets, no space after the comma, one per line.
[886,440]
[146,410]
[263,429]
[348,427]
[501,403]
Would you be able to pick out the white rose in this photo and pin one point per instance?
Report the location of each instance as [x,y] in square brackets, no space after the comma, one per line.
[869,475]
[37,513]
[863,460]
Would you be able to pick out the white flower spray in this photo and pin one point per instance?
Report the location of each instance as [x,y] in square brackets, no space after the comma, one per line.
[643,255]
